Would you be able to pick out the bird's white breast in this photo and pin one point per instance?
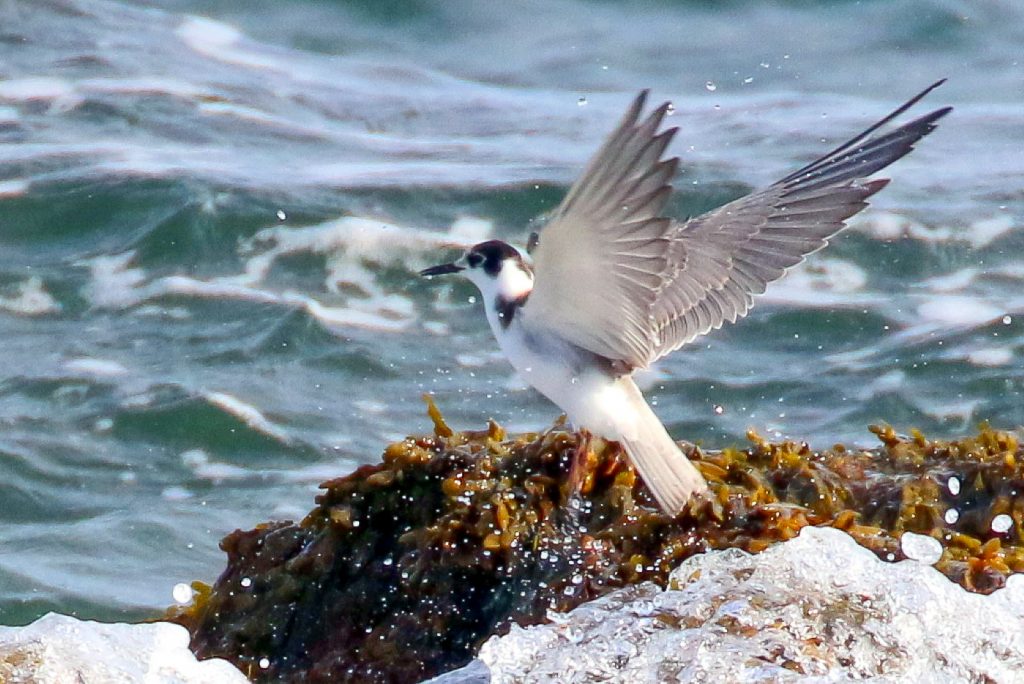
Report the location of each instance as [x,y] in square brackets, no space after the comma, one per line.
[564,374]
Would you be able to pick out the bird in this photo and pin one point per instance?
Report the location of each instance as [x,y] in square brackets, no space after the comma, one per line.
[610,284]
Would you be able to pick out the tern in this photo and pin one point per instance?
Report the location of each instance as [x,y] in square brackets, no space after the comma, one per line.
[613,285]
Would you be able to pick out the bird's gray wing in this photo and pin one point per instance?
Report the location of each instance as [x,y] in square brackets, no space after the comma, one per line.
[719,261]
[601,259]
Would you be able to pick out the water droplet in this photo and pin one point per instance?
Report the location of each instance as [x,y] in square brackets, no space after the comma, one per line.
[281,215]
[582,102]
[921,548]
[182,593]
[952,515]
[953,485]
[1007,320]
[710,85]
[1001,523]
[719,409]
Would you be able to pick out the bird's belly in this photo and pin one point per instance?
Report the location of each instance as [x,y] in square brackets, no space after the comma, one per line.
[590,397]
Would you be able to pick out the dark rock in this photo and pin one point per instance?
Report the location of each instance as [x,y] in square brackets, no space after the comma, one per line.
[403,568]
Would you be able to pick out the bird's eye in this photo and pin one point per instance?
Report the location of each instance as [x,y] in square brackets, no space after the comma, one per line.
[474,259]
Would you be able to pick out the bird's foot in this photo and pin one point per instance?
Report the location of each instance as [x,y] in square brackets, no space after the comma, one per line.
[578,466]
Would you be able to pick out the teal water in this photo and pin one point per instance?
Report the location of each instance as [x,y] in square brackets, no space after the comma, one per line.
[211,224]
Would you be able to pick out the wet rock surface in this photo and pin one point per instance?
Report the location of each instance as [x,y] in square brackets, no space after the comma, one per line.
[818,608]
[60,649]
[404,568]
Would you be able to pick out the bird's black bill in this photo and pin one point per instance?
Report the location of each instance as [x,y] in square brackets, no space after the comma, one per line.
[440,270]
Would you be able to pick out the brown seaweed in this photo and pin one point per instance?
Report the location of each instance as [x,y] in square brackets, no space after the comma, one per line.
[405,567]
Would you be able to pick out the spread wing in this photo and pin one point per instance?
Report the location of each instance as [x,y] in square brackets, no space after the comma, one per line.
[720,260]
[601,258]
[613,276]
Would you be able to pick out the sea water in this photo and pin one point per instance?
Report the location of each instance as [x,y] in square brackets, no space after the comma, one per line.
[212,214]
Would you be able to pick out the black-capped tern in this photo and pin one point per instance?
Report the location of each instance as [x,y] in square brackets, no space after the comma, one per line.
[614,285]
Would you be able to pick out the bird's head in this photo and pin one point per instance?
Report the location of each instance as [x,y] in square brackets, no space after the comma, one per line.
[495,267]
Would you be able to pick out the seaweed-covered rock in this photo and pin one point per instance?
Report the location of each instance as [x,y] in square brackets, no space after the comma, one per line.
[405,567]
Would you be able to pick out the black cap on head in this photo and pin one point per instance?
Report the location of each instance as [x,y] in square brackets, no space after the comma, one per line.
[490,254]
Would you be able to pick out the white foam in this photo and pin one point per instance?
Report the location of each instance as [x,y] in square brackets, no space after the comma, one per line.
[727,616]
[952,282]
[32,299]
[194,458]
[36,88]
[224,43]
[472,360]
[439,328]
[822,282]
[888,225]
[58,648]
[320,472]
[947,407]
[370,406]
[990,356]
[471,229]
[243,112]
[248,414]
[147,85]
[218,472]
[890,382]
[985,231]
[203,34]
[921,547]
[356,238]
[175,493]
[959,311]
[883,225]
[114,282]
[100,368]
[117,284]
[14,187]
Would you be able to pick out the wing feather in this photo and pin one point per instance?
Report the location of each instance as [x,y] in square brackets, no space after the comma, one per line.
[719,261]
[599,262]
[615,277]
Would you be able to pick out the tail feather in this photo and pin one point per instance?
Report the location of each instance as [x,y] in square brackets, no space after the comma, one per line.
[662,465]
[665,470]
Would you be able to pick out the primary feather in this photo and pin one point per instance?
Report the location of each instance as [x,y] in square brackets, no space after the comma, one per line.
[615,277]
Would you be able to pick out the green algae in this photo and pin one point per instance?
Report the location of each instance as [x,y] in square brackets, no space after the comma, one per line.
[404,567]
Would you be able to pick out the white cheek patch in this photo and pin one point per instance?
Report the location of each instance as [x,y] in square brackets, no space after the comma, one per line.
[513,282]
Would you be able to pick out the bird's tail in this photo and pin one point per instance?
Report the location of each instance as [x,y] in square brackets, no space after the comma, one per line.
[664,468]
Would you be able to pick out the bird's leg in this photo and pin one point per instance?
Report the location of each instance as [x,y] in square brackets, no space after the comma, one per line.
[578,464]
[618,461]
